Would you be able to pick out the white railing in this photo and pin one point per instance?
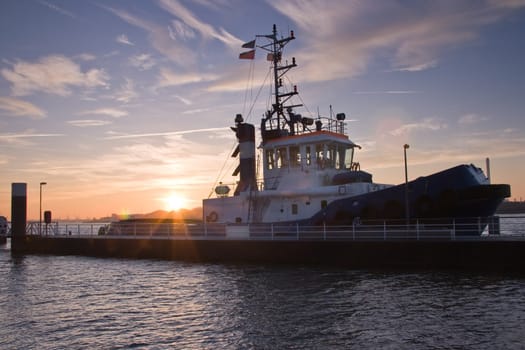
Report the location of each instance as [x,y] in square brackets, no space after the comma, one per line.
[442,229]
[65,228]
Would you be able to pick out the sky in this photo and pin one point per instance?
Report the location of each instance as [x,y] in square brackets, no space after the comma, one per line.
[125,106]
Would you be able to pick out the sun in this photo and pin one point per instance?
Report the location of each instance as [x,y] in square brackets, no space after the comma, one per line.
[174,202]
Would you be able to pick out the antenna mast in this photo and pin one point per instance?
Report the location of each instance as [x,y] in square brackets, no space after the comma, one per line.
[275,121]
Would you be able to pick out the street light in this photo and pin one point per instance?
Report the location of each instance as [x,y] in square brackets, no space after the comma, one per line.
[40,222]
[405,147]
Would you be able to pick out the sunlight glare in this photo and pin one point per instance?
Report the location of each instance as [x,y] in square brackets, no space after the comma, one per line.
[174,202]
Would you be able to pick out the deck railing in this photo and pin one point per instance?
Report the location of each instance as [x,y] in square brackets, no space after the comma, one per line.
[416,229]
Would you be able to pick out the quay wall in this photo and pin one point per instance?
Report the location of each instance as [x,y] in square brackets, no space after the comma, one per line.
[499,255]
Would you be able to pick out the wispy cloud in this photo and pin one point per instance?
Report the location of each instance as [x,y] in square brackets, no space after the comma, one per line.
[52,74]
[23,138]
[417,66]
[426,124]
[387,92]
[16,107]
[168,77]
[186,17]
[179,30]
[58,9]
[82,123]
[112,112]
[471,118]
[86,57]
[143,61]
[169,133]
[349,35]
[123,39]
[160,39]
[164,164]
[127,92]
[183,100]
[174,39]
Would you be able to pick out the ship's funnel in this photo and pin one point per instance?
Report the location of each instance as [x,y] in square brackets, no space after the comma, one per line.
[246,136]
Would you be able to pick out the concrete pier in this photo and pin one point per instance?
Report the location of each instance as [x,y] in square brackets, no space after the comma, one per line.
[487,255]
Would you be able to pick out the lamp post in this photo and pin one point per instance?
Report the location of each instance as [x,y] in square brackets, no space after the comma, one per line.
[40,211]
[407,215]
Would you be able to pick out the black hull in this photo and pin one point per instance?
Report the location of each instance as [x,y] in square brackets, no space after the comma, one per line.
[453,193]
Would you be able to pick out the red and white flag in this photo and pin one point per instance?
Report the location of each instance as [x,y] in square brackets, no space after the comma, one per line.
[248,55]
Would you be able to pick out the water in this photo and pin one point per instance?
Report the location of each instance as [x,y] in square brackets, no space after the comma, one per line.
[55,302]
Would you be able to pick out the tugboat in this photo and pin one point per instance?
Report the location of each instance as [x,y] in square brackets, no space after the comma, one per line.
[311,176]
[315,205]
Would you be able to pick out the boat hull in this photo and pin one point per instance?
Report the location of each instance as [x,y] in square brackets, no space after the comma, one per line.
[452,193]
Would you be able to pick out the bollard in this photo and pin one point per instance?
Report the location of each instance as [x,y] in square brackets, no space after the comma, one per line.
[18,209]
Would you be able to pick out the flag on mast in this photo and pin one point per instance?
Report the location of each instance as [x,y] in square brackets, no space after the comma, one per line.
[249,44]
[248,55]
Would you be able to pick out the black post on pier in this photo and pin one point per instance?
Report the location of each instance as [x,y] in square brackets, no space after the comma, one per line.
[18,211]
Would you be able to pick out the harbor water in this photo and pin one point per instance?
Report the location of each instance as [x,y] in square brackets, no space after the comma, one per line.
[73,302]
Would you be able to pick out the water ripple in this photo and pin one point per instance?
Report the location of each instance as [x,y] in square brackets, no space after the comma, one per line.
[50,302]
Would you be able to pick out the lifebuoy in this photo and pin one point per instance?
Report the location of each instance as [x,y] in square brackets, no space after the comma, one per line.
[213,217]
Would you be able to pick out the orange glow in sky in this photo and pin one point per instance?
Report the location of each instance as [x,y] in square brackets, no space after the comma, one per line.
[174,202]
[126,107]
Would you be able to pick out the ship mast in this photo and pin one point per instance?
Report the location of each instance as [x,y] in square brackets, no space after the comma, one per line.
[275,122]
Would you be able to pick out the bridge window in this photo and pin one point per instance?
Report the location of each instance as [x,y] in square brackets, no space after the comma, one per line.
[319,155]
[349,157]
[340,160]
[330,156]
[295,209]
[308,155]
[282,157]
[295,156]
[270,161]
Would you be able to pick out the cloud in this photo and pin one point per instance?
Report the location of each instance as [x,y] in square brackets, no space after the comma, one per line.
[180,30]
[174,40]
[426,124]
[52,74]
[165,162]
[167,77]
[21,138]
[82,123]
[349,35]
[469,119]
[169,133]
[17,107]
[112,112]
[127,92]
[183,100]
[387,92]
[86,57]
[160,39]
[58,9]
[123,39]
[507,3]
[418,66]
[189,20]
[142,61]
